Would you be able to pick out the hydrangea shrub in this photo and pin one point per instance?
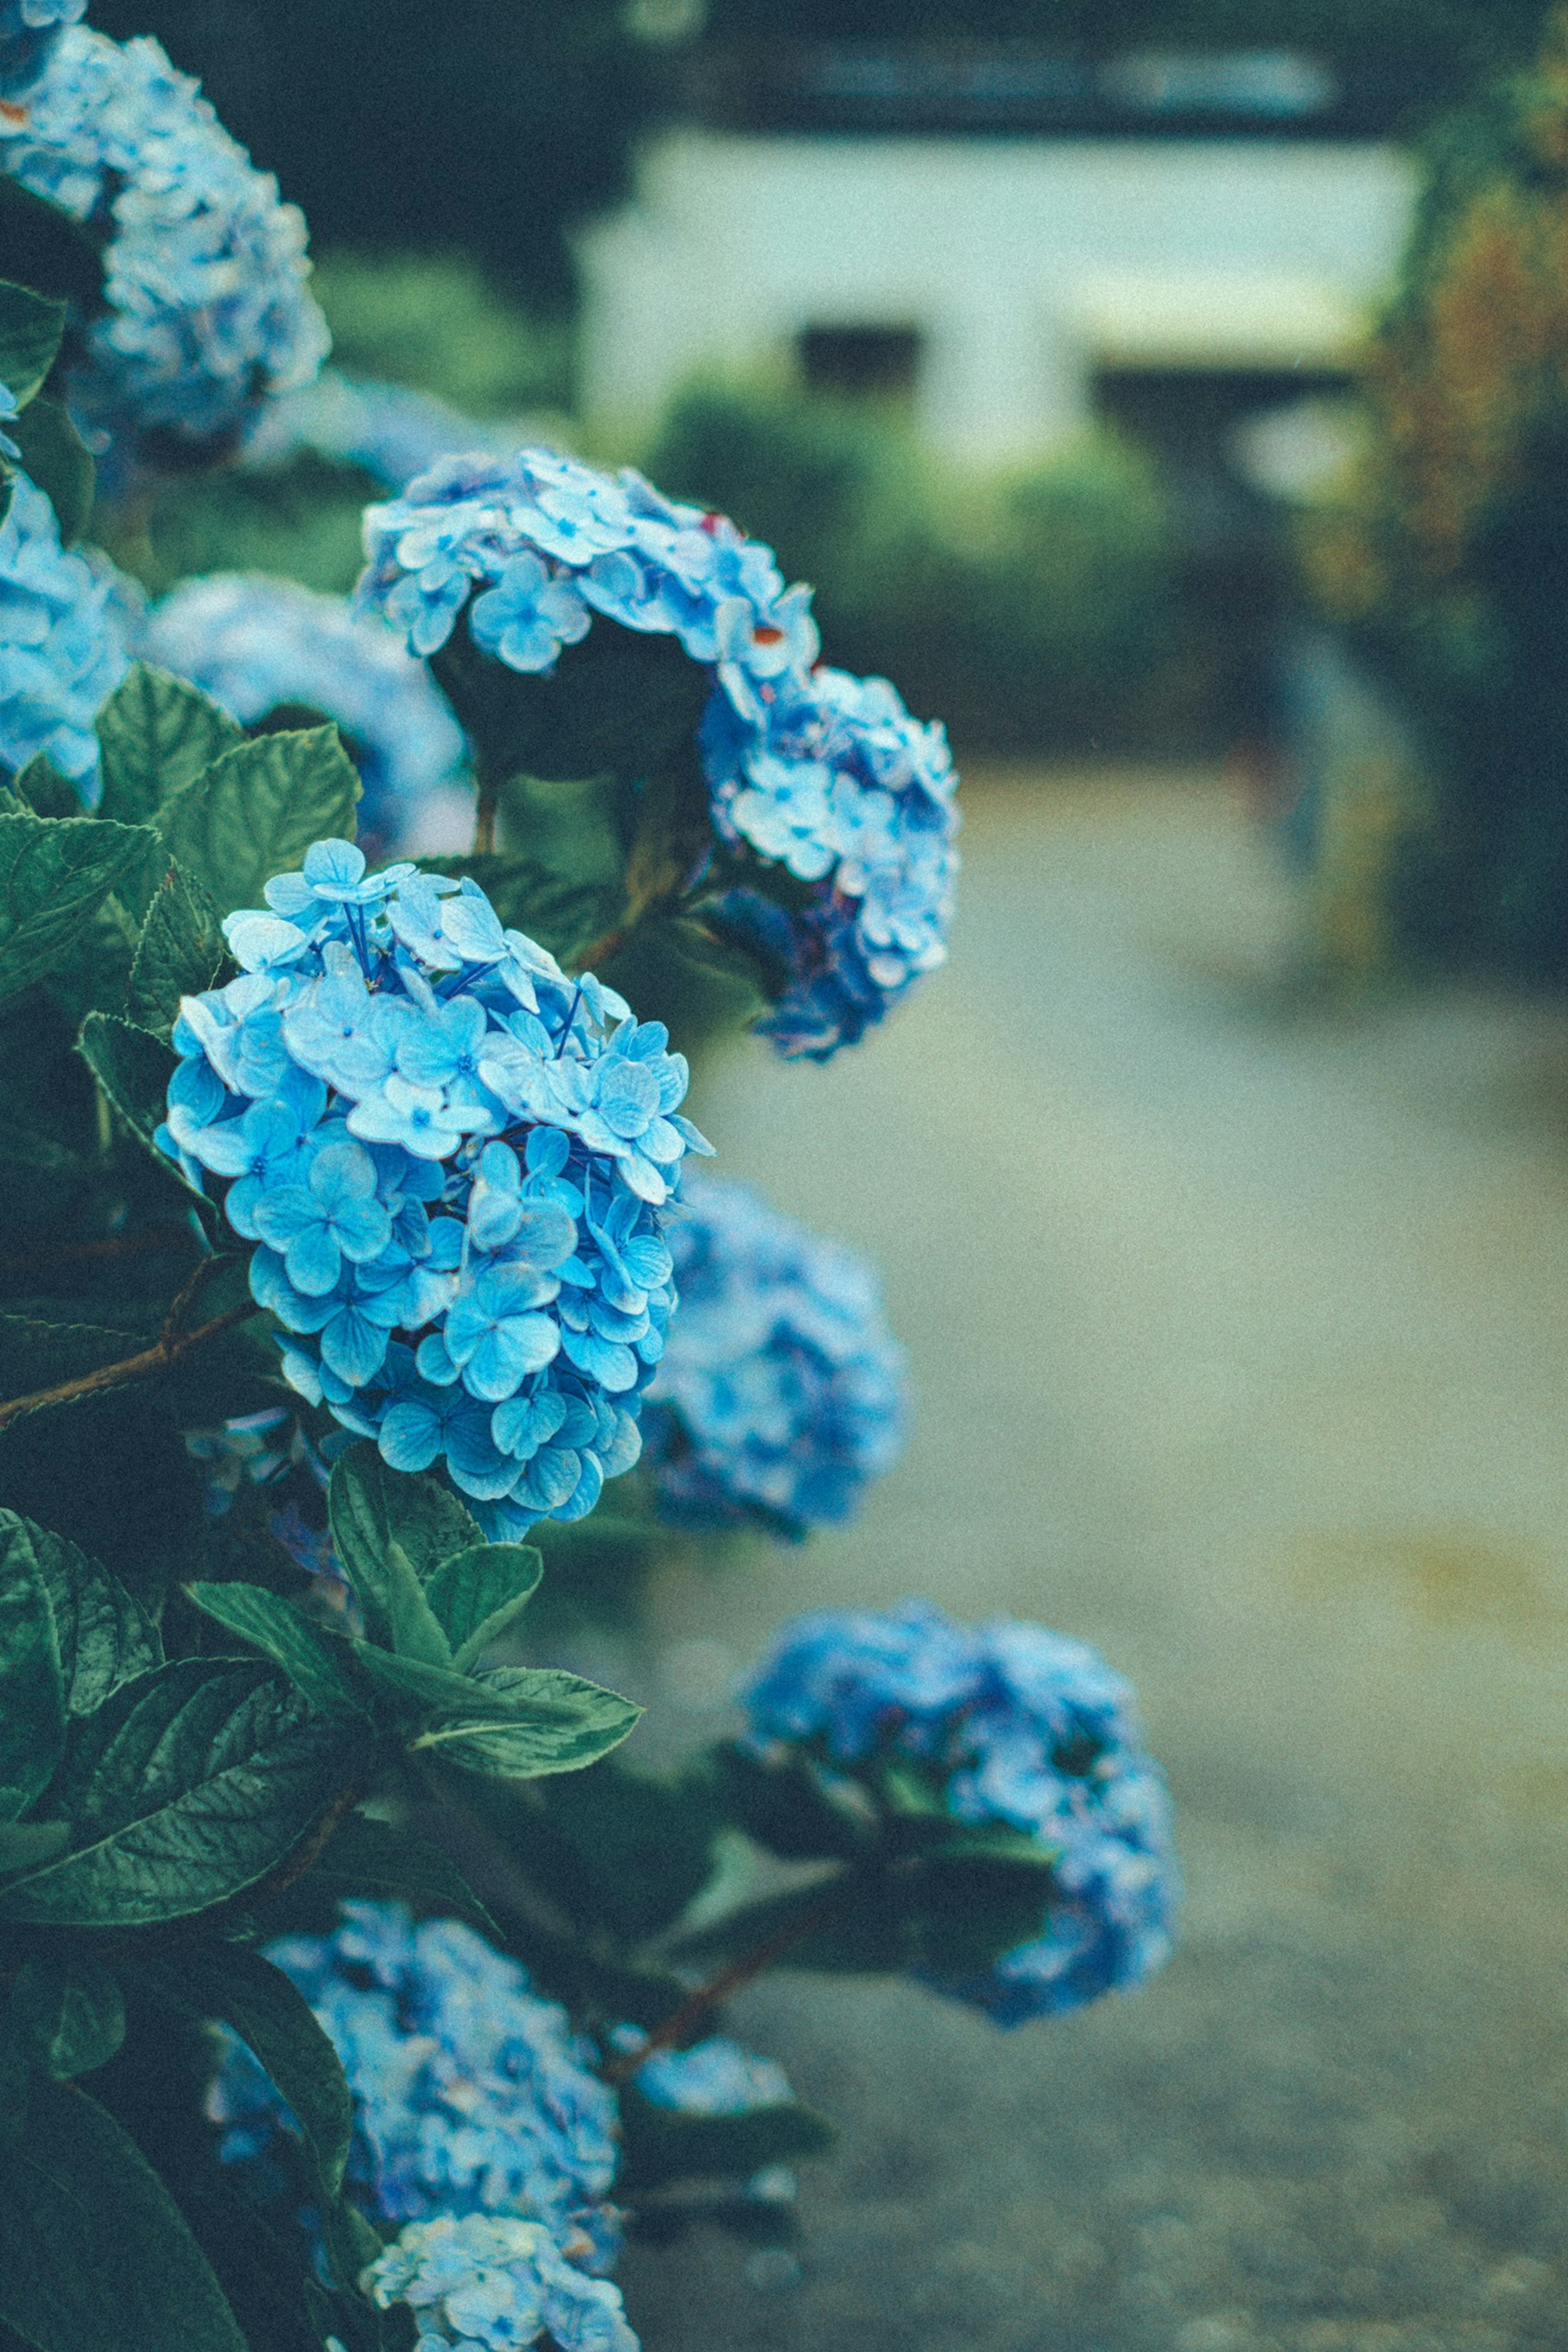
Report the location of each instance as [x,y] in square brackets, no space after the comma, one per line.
[357,1991]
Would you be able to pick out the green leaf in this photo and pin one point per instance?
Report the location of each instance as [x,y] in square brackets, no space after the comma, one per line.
[794,1809]
[476,1595]
[31,326]
[517,1722]
[72,2011]
[313,1661]
[58,460]
[32,1701]
[104,1637]
[366,1858]
[612,1848]
[157,735]
[44,791]
[276,2023]
[134,1067]
[369,1505]
[53,877]
[24,1844]
[180,952]
[661,2145]
[257,811]
[190,1784]
[97,2255]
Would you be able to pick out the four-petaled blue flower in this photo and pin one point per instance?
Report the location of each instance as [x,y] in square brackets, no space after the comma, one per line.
[527,615]
[334,1215]
[457,1163]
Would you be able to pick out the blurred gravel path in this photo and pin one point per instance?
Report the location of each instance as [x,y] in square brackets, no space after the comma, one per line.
[1241,1326]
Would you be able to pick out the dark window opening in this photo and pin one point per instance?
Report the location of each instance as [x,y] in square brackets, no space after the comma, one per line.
[860,362]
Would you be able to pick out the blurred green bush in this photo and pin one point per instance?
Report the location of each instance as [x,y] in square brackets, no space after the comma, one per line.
[1443,556]
[1033,610]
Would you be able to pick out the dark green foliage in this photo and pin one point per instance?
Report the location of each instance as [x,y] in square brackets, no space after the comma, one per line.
[661,2147]
[97,2253]
[53,877]
[31,326]
[56,457]
[72,2012]
[156,735]
[257,809]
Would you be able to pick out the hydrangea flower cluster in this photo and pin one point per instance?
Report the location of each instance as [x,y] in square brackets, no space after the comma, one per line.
[472,2096]
[391,431]
[253,643]
[824,774]
[62,643]
[453,1161]
[1027,1729]
[481,2284]
[28,31]
[206,308]
[715,2077]
[836,780]
[781,1393]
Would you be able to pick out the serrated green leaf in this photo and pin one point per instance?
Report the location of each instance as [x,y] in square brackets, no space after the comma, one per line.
[370,1506]
[156,735]
[32,1699]
[103,1636]
[313,1663]
[189,1785]
[97,2256]
[179,953]
[31,326]
[257,811]
[476,1594]
[660,2146]
[518,1722]
[53,877]
[276,2024]
[72,2011]
[59,462]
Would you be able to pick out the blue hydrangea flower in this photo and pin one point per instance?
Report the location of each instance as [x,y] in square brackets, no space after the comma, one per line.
[456,1164]
[810,769]
[1027,1729]
[715,2077]
[472,2096]
[485,2285]
[62,643]
[206,308]
[253,643]
[838,783]
[780,1392]
[28,32]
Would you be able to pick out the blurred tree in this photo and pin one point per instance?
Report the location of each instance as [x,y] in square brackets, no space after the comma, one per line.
[1446,553]
[422,124]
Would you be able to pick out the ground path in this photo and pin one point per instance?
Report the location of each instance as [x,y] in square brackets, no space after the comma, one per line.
[1240,1326]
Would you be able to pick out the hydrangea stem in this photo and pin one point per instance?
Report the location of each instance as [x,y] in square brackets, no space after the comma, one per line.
[680,2025]
[166,1350]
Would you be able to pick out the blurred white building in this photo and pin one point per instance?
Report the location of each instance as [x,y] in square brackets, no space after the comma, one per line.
[998,278]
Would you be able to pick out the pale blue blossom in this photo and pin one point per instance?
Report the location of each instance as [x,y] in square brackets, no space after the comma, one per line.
[482,2284]
[62,643]
[205,307]
[457,1163]
[1017,1728]
[781,1393]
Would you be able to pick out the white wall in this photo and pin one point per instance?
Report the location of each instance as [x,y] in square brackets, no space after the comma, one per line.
[1026,263]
